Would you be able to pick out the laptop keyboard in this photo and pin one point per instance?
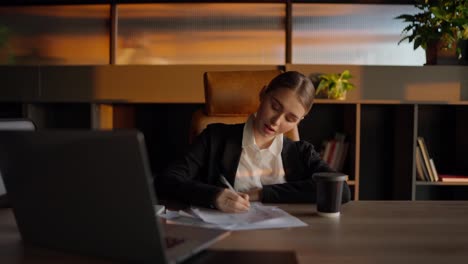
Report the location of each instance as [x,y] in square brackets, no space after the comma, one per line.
[173,241]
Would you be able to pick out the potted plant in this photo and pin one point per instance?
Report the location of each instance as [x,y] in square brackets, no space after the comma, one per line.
[334,85]
[441,25]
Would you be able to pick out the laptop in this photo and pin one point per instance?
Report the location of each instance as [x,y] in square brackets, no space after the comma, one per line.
[91,193]
[12,124]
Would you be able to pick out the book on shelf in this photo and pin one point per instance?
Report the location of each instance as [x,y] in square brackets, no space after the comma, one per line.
[342,157]
[325,150]
[434,170]
[331,152]
[421,171]
[335,151]
[453,178]
[426,159]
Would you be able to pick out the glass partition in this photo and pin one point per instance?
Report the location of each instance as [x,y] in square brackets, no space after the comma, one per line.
[206,33]
[201,33]
[54,35]
[351,34]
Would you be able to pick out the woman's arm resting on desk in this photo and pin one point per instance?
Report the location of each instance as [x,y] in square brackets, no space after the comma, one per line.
[296,192]
[301,161]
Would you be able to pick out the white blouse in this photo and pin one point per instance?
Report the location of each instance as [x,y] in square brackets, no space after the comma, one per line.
[258,167]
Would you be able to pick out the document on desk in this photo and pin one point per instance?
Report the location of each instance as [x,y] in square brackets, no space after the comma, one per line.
[259,216]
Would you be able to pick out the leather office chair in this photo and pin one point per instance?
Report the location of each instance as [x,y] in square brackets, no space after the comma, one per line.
[230,97]
[12,124]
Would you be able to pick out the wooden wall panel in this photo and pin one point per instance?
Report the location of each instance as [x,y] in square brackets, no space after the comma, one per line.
[184,83]
[436,84]
[19,83]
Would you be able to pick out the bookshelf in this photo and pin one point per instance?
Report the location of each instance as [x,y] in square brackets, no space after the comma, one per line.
[382,118]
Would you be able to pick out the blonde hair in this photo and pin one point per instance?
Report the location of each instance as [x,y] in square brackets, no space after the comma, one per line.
[297,82]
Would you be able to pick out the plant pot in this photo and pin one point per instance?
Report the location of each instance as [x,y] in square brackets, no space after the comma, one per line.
[324,94]
[338,96]
[437,55]
[431,53]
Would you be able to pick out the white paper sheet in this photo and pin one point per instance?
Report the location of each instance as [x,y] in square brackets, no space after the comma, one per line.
[258,217]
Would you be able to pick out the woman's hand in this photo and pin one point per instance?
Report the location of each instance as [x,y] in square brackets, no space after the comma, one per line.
[232,202]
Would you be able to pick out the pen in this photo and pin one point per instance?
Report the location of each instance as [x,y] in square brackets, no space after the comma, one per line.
[225,182]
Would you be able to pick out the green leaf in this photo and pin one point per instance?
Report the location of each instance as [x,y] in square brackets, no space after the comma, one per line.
[417,43]
[322,86]
[345,74]
[438,13]
[405,17]
[407,28]
[465,32]
[403,39]
[325,77]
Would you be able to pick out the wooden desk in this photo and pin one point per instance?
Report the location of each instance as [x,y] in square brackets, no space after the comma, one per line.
[367,232]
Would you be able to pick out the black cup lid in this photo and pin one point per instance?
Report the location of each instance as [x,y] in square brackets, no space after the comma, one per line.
[330,176]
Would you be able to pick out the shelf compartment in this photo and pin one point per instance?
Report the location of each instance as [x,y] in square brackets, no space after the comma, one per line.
[321,124]
[444,129]
[386,152]
[60,115]
[441,191]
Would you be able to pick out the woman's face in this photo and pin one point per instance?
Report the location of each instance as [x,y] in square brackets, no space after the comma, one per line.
[279,111]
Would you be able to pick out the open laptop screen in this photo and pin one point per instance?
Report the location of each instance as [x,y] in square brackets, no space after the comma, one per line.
[12,124]
[89,192]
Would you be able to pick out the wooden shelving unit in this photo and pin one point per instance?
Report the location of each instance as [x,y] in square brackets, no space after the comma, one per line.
[383,135]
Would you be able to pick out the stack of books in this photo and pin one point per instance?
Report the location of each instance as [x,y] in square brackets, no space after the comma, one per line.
[334,151]
[453,178]
[425,167]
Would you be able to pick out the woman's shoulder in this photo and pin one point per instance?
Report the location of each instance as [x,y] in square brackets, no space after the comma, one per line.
[218,131]
[301,147]
[224,128]
[300,144]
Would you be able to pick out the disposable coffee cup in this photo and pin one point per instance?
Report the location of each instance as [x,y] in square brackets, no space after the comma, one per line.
[329,192]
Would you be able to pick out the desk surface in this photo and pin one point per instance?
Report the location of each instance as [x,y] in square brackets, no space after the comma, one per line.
[366,232]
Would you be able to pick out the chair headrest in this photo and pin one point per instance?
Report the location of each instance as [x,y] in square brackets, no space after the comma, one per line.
[232,93]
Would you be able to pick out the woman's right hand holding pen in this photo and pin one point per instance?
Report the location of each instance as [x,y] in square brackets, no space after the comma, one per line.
[232,202]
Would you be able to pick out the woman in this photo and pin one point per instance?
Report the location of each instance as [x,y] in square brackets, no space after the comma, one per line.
[254,157]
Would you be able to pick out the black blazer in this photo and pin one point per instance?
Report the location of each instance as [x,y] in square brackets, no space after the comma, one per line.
[194,179]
